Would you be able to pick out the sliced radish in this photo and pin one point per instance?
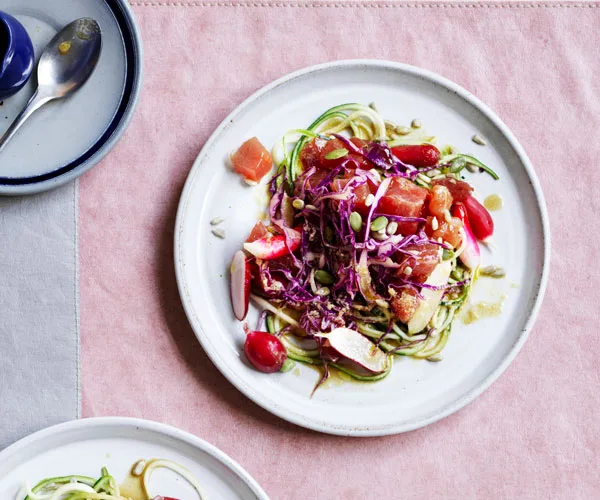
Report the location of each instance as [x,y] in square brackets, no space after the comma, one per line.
[349,348]
[470,256]
[481,220]
[240,284]
[431,298]
[273,247]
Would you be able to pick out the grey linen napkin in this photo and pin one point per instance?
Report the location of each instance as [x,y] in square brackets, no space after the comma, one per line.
[39,343]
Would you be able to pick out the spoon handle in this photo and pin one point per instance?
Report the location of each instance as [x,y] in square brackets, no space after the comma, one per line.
[37,100]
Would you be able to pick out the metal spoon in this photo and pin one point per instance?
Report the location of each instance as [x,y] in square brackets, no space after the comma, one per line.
[66,63]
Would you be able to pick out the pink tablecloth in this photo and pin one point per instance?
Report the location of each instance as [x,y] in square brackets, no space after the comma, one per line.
[535,432]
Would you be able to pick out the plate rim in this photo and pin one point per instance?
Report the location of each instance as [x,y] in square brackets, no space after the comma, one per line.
[104,145]
[92,423]
[539,288]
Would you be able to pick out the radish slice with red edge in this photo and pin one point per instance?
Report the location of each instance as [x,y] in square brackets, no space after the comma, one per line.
[481,220]
[470,256]
[240,284]
[349,348]
[273,247]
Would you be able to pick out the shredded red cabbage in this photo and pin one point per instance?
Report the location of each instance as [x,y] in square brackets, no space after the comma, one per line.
[352,259]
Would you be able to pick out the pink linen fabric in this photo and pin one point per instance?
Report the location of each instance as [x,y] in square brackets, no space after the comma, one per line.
[535,433]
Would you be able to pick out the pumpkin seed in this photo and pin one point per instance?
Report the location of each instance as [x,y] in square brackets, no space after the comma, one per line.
[324,277]
[356,222]
[336,153]
[379,223]
[457,165]
[447,254]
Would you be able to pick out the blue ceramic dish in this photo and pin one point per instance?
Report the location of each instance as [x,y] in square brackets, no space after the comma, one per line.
[16,55]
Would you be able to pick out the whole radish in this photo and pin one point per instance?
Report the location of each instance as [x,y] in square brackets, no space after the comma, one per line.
[265,351]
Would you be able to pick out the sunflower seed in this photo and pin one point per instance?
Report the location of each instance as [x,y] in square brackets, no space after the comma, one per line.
[435,358]
[408,270]
[392,227]
[379,235]
[435,224]
[391,126]
[402,130]
[369,200]
[477,139]
[373,106]
[472,168]
[298,204]
[493,272]
[323,291]
[219,233]
[216,221]
[416,123]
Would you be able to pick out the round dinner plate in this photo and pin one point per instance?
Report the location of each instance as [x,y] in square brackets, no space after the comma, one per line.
[68,136]
[83,447]
[416,392]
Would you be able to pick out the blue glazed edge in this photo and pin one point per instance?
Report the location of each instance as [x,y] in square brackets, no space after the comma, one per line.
[133,72]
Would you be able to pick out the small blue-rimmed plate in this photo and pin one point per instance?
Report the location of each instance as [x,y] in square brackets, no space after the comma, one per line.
[67,137]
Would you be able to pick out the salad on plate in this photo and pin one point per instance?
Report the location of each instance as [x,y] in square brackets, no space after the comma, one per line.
[369,249]
[135,487]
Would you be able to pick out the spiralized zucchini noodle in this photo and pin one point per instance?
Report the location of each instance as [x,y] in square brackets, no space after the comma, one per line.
[106,487]
[344,275]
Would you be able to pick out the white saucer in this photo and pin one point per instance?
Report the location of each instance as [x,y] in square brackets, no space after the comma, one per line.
[67,137]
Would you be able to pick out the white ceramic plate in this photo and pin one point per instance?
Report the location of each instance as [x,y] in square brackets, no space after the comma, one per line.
[83,447]
[416,393]
[67,137]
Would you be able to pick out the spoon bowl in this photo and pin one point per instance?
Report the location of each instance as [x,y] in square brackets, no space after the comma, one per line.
[65,65]
[70,57]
